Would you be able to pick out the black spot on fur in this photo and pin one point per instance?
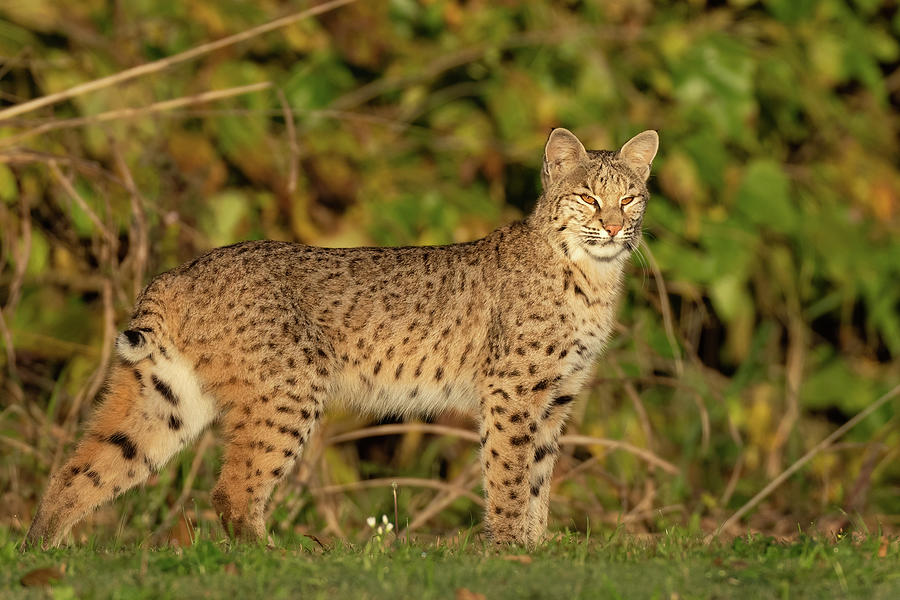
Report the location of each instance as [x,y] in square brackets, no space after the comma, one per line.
[519,440]
[94,476]
[124,443]
[543,384]
[174,423]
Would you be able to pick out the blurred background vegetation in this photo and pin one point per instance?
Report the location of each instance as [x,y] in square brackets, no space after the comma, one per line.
[763,312]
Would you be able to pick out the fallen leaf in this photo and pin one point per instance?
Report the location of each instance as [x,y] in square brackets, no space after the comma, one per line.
[181,534]
[464,594]
[522,558]
[322,546]
[883,548]
[43,576]
[231,569]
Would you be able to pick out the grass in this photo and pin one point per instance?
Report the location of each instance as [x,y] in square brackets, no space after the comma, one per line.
[676,565]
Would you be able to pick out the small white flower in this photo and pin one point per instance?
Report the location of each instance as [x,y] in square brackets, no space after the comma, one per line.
[380,530]
[371,522]
[384,519]
[389,527]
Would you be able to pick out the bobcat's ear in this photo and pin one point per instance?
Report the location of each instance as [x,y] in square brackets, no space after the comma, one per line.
[639,151]
[562,152]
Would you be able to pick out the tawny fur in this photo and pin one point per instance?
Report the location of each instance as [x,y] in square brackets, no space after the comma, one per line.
[265,335]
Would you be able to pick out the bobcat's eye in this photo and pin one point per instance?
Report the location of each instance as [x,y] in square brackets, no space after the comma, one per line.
[626,200]
[587,200]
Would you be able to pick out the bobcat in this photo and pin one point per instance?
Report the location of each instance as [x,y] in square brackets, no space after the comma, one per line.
[263,335]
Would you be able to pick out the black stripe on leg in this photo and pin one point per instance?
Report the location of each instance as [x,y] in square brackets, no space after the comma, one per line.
[129,450]
[164,390]
[542,453]
[562,400]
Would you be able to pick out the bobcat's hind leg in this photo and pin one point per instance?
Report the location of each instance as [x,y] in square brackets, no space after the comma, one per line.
[152,409]
[265,429]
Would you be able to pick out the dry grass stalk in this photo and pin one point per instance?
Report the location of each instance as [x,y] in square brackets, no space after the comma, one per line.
[205,441]
[165,63]
[67,185]
[139,251]
[293,144]
[133,113]
[645,455]
[638,405]
[828,441]
[464,481]
[665,309]
[566,440]
[405,481]
[796,358]
[398,428]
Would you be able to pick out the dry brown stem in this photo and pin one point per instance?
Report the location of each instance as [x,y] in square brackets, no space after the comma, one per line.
[67,185]
[403,481]
[205,441]
[465,480]
[165,63]
[637,403]
[133,113]
[796,357]
[566,440]
[398,428]
[828,441]
[293,145]
[665,309]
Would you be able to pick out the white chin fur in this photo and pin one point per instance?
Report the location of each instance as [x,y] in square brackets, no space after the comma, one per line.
[607,252]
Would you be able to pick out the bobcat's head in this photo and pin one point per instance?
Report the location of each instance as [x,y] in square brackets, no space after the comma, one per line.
[595,199]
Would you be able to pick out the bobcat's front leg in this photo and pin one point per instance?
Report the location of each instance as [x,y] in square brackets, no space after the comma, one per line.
[511,422]
[546,451]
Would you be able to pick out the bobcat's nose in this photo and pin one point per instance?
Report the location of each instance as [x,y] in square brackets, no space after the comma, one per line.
[612,230]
